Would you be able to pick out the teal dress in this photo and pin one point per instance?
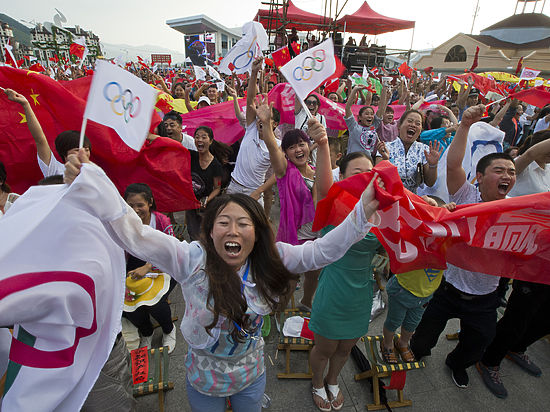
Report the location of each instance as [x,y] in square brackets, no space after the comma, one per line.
[343,301]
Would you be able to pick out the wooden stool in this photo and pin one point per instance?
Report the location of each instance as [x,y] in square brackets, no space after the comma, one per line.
[380,369]
[158,380]
[288,344]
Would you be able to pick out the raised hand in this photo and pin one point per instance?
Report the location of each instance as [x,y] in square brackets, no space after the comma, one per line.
[263,109]
[433,155]
[317,131]
[383,150]
[16,97]
[472,115]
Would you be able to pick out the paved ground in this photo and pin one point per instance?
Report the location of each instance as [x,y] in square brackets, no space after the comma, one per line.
[430,389]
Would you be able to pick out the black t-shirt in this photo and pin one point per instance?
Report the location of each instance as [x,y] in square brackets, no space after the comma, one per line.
[203,179]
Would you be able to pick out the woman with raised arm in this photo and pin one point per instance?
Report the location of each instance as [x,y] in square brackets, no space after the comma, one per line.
[230,278]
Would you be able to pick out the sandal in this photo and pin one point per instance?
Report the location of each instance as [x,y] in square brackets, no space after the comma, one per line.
[322,394]
[333,392]
[388,355]
[405,352]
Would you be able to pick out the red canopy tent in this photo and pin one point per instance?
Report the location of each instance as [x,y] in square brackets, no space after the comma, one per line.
[367,21]
[296,18]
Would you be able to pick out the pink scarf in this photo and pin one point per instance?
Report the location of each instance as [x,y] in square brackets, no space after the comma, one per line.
[297,206]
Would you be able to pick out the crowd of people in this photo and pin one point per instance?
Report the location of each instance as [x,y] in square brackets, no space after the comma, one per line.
[234,271]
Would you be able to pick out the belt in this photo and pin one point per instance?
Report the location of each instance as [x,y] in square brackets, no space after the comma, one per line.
[462,295]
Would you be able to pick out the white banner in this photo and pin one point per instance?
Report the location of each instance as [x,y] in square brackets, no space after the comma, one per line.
[310,69]
[122,101]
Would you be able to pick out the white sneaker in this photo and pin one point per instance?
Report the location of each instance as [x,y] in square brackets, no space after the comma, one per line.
[170,339]
[146,341]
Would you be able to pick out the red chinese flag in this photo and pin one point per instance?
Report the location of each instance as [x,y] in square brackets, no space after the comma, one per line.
[77,50]
[519,66]
[37,67]
[537,96]
[509,237]
[474,64]
[281,57]
[405,70]
[296,47]
[163,164]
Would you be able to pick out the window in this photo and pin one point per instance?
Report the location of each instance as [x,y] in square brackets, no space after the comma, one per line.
[224,42]
[456,54]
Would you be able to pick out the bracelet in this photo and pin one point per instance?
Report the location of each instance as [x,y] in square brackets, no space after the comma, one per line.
[432,166]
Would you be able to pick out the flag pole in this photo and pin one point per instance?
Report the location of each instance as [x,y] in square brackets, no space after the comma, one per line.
[308,113]
[2,89]
[497,101]
[81,143]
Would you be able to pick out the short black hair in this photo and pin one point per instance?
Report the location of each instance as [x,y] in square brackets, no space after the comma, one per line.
[362,109]
[141,189]
[293,137]
[344,161]
[437,122]
[173,115]
[486,161]
[3,176]
[51,180]
[68,140]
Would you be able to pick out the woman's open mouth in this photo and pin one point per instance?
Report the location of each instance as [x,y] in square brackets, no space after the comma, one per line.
[411,132]
[232,248]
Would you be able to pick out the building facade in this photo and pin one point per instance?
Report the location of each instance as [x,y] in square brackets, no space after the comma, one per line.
[56,41]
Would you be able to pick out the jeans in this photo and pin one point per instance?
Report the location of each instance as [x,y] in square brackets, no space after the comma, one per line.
[247,400]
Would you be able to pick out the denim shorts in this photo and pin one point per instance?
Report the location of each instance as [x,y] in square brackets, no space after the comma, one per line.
[404,308]
[247,400]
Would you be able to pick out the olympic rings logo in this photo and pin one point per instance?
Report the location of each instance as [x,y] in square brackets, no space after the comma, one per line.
[309,65]
[123,103]
[249,54]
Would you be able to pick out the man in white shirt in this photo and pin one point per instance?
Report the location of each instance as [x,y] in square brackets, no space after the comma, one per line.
[173,128]
[469,296]
[253,157]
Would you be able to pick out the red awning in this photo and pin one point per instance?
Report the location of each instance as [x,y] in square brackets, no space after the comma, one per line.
[367,21]
[296,18]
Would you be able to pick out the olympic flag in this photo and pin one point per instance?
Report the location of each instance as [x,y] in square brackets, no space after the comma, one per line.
[239,58]
[308,70]
[122,101]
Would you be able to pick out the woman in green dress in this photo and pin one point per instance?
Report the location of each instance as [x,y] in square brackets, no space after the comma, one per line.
[341,310]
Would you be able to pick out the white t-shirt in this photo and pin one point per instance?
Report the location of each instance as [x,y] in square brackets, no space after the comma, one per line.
[54,168]
[252,160]
[474,283]
[541,125]
[335,175]
[533,179]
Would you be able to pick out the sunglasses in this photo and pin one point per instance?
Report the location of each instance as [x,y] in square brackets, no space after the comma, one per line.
[311,102]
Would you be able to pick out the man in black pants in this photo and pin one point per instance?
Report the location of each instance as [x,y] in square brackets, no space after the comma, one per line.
[469,296]
[526,320]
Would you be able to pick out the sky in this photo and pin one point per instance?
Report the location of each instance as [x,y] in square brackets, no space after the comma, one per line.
[141,22]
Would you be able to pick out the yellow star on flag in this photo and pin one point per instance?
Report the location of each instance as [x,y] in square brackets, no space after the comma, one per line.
[35,97]
[31,72]
[23,118]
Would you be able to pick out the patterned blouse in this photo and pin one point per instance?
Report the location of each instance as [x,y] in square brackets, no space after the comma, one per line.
[407,161]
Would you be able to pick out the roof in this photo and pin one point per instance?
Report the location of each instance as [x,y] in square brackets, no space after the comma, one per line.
[200,24]
[367,21]
[499,44]
[295,18]
[522,20]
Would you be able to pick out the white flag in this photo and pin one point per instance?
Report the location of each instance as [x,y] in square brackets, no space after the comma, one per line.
[308,70]
[529,74]
[213,73]
[122,101]
[200,74]
[239,59]
[365,72]
[64,299]
[220,86]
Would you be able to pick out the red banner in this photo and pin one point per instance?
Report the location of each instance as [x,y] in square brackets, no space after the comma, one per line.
[509,237]
[140,365]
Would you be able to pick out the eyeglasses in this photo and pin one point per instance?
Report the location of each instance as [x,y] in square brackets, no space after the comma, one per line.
[311,102]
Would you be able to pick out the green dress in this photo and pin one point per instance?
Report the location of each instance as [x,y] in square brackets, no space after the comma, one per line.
[343,301]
